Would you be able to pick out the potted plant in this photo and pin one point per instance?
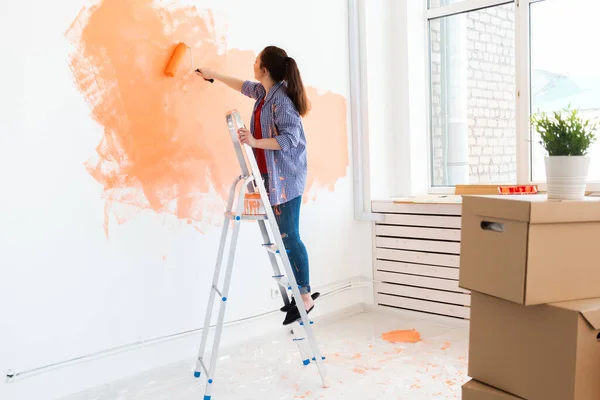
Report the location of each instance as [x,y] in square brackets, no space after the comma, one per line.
[566,137]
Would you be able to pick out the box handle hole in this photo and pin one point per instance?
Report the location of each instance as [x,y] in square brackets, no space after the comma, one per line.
[492,226]
[598,337]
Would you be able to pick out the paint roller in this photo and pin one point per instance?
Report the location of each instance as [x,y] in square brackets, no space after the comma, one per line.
[176,59]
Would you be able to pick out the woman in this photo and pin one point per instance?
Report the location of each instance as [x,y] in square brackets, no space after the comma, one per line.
[277,138]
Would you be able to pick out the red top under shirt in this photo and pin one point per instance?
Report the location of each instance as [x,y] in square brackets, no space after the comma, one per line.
[259,154]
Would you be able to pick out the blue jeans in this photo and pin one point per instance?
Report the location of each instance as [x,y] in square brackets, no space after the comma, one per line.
[288,219]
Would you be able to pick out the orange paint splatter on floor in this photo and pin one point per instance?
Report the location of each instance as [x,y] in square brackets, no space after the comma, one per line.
[446,346]
[356,356]
[305,395]
[403,336]
[360,371]
[165,146]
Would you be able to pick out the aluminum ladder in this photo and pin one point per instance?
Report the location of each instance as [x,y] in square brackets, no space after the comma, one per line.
[252,183]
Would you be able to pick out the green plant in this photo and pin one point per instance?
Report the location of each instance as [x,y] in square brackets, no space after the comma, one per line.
[569,135]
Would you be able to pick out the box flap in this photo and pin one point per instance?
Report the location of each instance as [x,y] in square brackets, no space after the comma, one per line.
[535,209]
[589,309]
[476,390]
[551,211]
[498,207]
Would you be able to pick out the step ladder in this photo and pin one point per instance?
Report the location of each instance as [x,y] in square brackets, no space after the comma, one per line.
[254,188]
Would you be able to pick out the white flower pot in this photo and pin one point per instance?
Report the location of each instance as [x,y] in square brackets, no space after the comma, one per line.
[566,177]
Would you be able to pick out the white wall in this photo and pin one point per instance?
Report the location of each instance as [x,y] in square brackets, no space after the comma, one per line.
[65,289]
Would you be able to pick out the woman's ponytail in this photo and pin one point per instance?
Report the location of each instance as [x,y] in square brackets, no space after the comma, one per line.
[295,88]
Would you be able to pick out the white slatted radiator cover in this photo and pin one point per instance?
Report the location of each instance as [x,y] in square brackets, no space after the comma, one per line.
[416,257]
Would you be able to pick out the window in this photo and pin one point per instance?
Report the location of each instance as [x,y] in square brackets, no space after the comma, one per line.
[472,97]
[441,3]
[491,64]
[564,68]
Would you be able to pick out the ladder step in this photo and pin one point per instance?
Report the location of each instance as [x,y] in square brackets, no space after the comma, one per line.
[219,293]
[246,217]
[272,248]
[283,281]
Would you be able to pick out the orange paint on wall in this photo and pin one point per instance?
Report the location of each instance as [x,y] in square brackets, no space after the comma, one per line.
[327,141]
[165,145]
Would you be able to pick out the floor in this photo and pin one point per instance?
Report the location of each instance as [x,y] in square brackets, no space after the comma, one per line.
[360,363]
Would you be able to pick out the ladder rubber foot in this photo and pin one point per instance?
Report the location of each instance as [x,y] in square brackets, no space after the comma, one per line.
[306,362]
[314,359]
[196,374]
[206,397]
[210,381]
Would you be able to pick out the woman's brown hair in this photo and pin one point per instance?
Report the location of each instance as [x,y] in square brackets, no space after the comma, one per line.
[284,68]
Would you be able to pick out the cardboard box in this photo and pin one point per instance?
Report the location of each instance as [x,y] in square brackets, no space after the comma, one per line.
[529,250]
[543,352]
[474,390]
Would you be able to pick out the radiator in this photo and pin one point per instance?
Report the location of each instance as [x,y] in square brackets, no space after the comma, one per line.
[416,257]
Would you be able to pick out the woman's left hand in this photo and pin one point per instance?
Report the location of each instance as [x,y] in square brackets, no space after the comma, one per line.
[246,137]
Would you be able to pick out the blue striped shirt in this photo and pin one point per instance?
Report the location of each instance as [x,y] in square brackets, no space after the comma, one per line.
[279,119]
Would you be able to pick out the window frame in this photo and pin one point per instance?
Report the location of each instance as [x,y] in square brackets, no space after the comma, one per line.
[522,83]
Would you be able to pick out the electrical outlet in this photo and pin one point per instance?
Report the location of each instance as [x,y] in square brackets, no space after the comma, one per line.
[274,293]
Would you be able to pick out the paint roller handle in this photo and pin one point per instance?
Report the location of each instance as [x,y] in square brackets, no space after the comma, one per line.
[200,73]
